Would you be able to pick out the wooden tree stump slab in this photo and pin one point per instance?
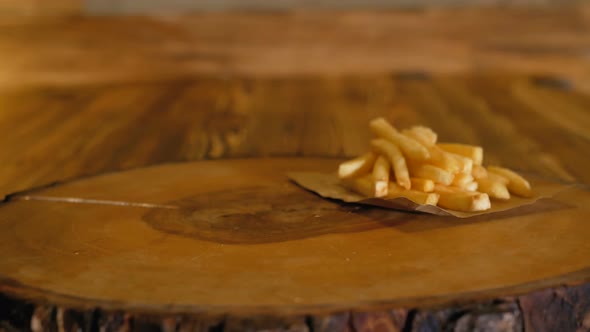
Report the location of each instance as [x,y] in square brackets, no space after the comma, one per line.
[233,244]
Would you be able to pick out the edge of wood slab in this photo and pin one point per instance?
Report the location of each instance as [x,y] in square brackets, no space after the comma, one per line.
[10,196]
[40,296]
[18,290]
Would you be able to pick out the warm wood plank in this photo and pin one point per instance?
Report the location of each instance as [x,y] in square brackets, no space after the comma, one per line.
[85,95]
[20,9]
[127,7]
[237,237]
[57,133]
[104,49]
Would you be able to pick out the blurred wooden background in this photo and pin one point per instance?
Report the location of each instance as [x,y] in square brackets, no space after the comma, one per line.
[126,7]
[67,47]
[95,86]
[61,66]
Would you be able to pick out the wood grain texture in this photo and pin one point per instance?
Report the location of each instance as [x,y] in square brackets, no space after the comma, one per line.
[82,95]
[130,7]
[103,250]
[90,241]
[78,49]
[127,7]
[25,9]
[56,133]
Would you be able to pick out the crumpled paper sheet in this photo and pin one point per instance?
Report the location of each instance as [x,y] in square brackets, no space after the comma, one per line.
[329,186]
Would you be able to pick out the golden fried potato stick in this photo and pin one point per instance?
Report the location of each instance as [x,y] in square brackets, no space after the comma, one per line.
[441,188]
[381,176]
[433,173]
[364,185]
[516,183]
[465,164]
[423,135]
[472,152]
[448,174]
[468,188]
[358,166]
[479,172]
[424,185]
[494,189]
[464,201]
[393,153]
[471,186]
[462,179]
[418,197]
[445,160]
[410,147]
[498,178]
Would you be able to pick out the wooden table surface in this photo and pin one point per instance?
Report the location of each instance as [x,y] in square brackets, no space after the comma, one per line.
[81,95]
[52,134]
[72,49]
[87,95]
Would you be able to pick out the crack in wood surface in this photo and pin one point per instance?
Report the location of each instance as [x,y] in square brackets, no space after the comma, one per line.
[77,200]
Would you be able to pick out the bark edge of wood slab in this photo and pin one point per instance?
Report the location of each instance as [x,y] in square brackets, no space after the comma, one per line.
[236,237]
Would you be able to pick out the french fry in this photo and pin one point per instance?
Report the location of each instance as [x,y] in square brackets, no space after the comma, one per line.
[410,134]
[424,185]
[464,201]
[364,185]
[357,166]
[410,147]
[472,152]
[462,179]
[393,153]
[479,172]
[495,189]
[381,176]
[516,183]
[471,186]
[418,197]
[450,175]
[423,135]
[433,173]
[498,178]
[465,164]
[441,188]
[468,188]
[444,160]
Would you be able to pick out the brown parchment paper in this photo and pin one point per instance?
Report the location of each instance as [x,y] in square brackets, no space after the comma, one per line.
[328,185]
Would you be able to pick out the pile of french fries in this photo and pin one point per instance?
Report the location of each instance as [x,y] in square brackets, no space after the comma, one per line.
[412,164]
